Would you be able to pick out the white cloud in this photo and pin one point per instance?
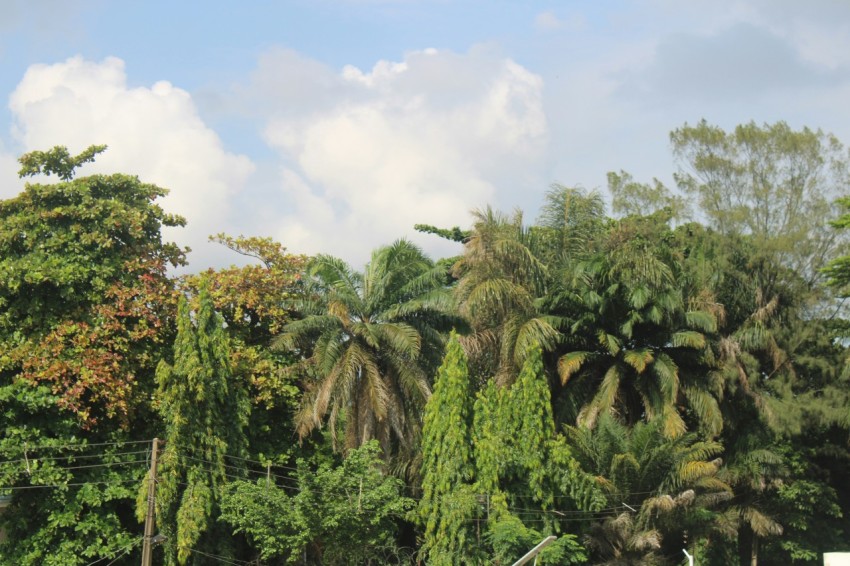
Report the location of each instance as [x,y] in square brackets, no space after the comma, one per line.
[549,21]
[368,154]
[154,132]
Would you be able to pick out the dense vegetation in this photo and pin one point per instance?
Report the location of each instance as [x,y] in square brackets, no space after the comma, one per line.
[673,377]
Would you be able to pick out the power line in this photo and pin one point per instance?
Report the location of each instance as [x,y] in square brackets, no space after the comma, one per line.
[74,457]
[222,559]
[113,553]
[70,484]
[27,447]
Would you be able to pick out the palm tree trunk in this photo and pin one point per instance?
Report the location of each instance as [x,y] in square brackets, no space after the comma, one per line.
[747,546]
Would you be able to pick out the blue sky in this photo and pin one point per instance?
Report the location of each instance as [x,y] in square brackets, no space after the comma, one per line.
[334,126]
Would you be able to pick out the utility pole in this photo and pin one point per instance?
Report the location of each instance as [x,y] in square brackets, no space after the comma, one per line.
[147,547]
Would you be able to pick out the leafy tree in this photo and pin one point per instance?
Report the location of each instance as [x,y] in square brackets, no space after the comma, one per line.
[771,182]
[511,539]
[344,514]
[57,161]
[84,296]
[517,451]
[837,270]
[368,343]
[205,411]
[526,471]
[807,501]
[255,301]
[71,490]
[630,198]
[447,464]
[85,309]
[782,378]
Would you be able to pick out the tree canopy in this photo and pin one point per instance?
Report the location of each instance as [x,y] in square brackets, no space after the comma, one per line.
[672,376]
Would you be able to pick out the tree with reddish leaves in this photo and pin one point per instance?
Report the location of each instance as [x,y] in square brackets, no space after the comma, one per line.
[84,294]
[86,312]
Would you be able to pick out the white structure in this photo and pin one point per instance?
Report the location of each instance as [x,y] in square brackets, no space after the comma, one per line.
[836,559]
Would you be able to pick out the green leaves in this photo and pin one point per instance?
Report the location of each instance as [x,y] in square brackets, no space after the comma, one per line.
[84,294]
[56,161]
[205,411]
[347,512]
[770,182]
[447,463]
[366,342]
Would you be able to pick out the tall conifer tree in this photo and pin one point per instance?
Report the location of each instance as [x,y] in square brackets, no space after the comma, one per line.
[205,412]
[447,459]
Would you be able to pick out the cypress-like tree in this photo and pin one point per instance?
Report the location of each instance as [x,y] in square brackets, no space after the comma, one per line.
[531,409]
[516,449]
[205,412]
[447,460]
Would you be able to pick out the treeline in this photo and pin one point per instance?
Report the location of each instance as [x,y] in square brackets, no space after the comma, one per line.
[671,377]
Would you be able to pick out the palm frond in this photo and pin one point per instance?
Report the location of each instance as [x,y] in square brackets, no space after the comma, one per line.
[569,364]
[605,397]
[701,320]
[688,339]
[639,359]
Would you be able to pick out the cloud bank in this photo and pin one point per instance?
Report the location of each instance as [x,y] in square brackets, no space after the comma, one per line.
[367,154]
[154,132]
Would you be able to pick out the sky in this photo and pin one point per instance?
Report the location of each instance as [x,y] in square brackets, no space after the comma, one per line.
[335,126]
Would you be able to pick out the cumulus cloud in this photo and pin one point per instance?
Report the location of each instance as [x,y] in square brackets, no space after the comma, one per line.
[368,154]
[154,132]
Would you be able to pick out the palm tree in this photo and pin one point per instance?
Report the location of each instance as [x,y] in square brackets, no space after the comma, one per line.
[657,487]
[636,335]
[500,281]
[619,541]
[368,343]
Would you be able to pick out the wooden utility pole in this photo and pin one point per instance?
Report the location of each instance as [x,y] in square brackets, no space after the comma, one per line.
[147,548]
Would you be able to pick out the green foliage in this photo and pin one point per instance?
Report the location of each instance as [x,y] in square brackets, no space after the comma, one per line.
[639,331]
[569,224]
[674,348]
[57,161]
[771,182]
[500,279]
[84,297]
[630,198]
[255,301]
[672,483]
[455,234]
[447,459]
[511,539]
[837,270]
[70,502]
[523,466]
[345,514]
[205,411]
[85,308]
[368,342]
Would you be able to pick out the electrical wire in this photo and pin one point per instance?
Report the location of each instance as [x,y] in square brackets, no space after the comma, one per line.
[119,551]
[75,457]
[222,559]
[70,484]
[89,445]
